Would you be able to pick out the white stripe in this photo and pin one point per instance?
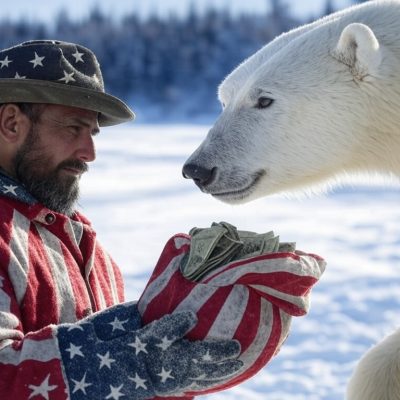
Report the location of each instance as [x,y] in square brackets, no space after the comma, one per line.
[159,283]
[300,301]
[111,277]
[89,270]
[231,313]
[5,301]
[59,271]
[38,350]
[99,291]
[306,266]
[75,231]
[19,258]
[251,354]
[196,298]
[181,241]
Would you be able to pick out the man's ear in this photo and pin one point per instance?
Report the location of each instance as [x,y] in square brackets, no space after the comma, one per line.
[359,48]
[14,124]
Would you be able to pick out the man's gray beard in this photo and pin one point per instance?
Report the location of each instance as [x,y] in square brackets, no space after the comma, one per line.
[58,192]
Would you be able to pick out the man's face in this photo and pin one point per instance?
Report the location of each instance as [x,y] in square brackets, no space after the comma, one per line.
[54,155]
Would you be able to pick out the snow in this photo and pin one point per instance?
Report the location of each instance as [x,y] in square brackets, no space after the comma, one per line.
[136,199]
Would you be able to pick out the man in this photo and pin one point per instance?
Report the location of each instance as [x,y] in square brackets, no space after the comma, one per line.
[65,332]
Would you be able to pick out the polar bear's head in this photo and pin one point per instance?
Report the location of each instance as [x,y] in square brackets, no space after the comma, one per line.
[299,111]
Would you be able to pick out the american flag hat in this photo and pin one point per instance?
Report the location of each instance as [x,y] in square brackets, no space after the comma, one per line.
[251,300]
[56,72]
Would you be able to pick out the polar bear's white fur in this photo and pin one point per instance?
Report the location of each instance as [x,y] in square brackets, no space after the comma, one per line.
[318,102]
[335,86]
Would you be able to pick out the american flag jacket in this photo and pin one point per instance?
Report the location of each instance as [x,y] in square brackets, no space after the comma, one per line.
[52,271]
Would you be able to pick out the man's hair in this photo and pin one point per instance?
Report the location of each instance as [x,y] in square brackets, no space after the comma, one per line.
[31,110]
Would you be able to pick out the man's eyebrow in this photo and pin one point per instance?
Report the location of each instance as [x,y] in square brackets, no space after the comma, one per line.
[85,123]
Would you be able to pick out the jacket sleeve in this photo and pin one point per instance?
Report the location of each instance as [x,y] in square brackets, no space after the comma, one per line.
[51,363]
[30,366]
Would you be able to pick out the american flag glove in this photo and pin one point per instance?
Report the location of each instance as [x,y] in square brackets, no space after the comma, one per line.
[251,300]
[109,355]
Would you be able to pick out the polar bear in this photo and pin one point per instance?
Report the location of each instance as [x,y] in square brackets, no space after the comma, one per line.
[317,103]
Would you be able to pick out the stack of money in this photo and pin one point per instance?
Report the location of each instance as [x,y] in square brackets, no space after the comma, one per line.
[222,243]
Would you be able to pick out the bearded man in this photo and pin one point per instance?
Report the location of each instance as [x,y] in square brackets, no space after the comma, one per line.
[65,331]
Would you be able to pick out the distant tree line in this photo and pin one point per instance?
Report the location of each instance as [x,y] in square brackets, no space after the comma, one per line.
[170,64]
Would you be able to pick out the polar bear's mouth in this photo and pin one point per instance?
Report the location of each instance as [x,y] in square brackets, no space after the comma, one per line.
[240,194]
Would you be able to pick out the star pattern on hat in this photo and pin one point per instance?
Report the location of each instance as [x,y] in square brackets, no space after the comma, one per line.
[18,76]
[78,56]
[5,62]
[68,77]
[37,61]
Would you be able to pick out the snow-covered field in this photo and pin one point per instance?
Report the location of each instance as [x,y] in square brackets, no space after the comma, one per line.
[136,198]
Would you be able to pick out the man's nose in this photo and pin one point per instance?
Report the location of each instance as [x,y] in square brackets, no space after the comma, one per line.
[87,149]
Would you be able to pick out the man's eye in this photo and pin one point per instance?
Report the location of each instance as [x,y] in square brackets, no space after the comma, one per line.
[74,129]
[264,102]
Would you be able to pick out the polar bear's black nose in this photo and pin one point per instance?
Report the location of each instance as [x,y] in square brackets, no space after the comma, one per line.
[201,176]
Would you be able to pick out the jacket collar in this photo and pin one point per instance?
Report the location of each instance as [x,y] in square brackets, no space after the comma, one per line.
[9,187]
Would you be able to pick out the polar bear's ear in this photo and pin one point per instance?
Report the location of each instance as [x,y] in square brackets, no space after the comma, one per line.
[359,48]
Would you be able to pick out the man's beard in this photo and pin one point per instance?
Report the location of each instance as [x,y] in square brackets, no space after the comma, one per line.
[57,191]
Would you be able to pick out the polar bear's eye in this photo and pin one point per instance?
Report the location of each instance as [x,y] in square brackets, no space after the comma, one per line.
[264,102]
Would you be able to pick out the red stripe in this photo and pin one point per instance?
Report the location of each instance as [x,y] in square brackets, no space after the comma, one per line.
[16,385]
[209,312]
[168,254]
[177,289]
[270,349]
[285,282]
[40,281]
[250,319]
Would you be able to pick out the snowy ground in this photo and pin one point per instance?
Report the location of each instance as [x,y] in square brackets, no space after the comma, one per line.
[136,199]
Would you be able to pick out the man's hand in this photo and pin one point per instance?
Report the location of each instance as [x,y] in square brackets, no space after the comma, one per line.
[109,354]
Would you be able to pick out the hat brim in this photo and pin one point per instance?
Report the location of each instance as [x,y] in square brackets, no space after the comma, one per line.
[112,111]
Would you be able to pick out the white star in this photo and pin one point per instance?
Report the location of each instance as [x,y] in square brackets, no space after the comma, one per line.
[139,346]
[164,375]
[81,385]
[43,389]
[18,76]
[37,60]
[115,393]
[117,324]
[207,356]
[75,326]
[67,78]
[10,189]
[139,381]
[5,62]
[165,343]
[78,56]
[74,351]
[106,360]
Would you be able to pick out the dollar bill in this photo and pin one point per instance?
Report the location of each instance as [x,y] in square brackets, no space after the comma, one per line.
[223,243]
